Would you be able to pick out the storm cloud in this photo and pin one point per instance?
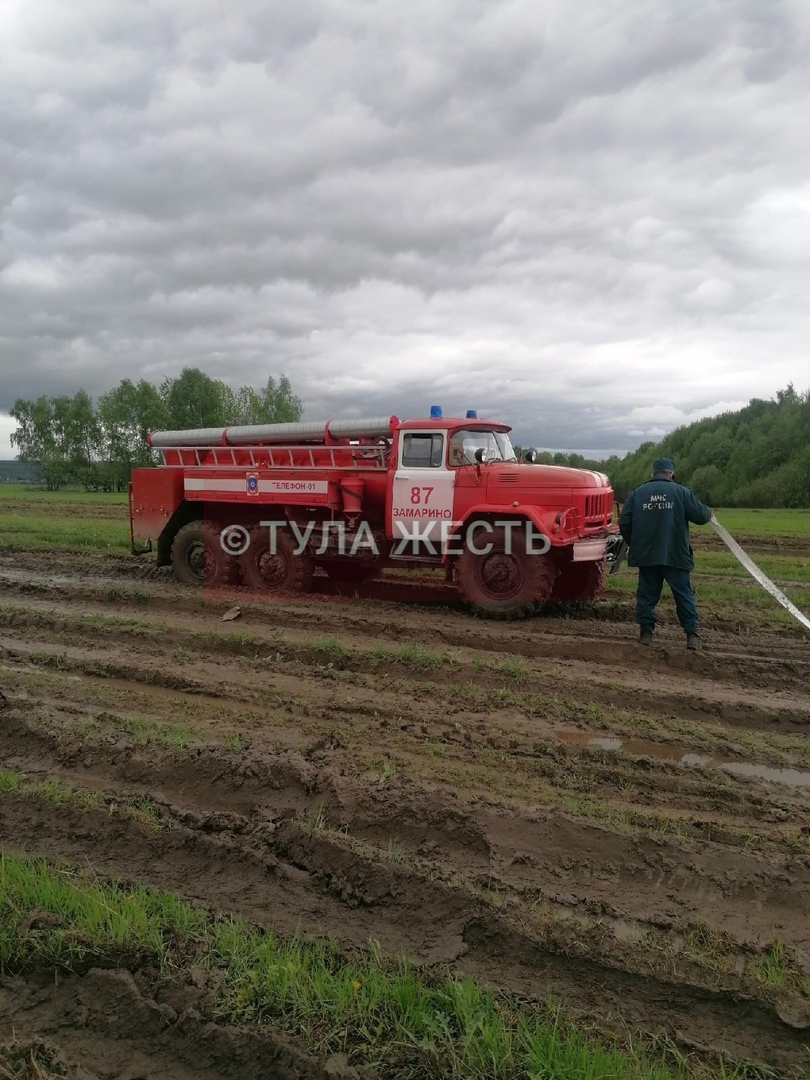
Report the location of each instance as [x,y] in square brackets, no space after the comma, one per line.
[592,223]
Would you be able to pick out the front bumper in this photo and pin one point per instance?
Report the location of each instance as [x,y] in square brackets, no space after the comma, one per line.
[590,550]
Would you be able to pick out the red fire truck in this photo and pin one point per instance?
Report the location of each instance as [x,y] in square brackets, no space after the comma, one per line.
[264,506]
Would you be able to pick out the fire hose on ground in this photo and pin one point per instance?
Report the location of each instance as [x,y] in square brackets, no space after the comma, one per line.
[756,573]
[618,550]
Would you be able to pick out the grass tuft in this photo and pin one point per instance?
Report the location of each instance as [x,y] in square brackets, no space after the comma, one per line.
[59,794]
[773,967]
[413,656]
[513,667]
[10,782]
[331,646]
[144,731]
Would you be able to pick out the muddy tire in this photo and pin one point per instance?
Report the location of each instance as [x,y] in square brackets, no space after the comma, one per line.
[198,558]
[279,570]
[350,573]
[580,582]
[500,585]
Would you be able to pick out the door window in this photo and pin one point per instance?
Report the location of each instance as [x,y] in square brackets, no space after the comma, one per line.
[422,450]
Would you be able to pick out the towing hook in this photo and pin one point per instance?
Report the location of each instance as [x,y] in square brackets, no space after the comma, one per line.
[615,552]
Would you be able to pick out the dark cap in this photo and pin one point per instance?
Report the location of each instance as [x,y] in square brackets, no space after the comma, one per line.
[663,464]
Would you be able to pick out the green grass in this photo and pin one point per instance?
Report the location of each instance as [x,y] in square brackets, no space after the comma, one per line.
[98,920]
[513,667]
[144,730]
[32,519]
[381,1013]
[60,795]
[32,493]
[762,522]
[741,586]
[411,656]
[10,782]
[772,967]
[33,532]
[787,567]
[331,646]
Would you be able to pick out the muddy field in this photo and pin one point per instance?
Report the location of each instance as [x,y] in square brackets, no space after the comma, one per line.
[544,806]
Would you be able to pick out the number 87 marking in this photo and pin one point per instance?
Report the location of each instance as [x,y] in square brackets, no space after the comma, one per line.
[416,495]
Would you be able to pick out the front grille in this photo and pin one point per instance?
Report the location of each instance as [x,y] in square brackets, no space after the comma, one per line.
[597,507]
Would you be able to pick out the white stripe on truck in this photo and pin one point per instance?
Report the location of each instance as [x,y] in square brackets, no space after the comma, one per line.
[266,487]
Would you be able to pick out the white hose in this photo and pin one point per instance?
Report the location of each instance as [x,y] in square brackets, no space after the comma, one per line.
[755,572]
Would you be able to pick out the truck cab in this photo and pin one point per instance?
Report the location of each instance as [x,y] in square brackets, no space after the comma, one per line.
[515,533]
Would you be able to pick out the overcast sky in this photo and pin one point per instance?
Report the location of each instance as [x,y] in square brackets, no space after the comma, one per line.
[591,219]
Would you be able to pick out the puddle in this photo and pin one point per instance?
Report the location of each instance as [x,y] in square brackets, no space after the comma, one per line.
[667,752]
[777,776]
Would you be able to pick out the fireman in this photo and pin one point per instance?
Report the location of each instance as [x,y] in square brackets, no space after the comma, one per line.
[655,523]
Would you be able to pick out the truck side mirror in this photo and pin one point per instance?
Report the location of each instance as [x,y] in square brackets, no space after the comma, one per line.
[530,456]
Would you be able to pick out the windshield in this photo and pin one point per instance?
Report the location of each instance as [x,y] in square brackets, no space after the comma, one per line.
[464,443]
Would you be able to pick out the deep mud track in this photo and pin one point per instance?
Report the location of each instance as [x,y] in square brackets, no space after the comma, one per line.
[545,806]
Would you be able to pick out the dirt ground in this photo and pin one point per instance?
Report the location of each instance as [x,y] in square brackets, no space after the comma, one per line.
[545,805]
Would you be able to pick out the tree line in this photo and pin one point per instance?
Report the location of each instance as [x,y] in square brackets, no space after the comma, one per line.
[758,456]
[72,440]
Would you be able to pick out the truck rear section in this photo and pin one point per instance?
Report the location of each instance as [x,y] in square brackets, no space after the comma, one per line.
[267,506]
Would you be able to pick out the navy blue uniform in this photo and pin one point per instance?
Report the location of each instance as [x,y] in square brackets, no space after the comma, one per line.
[655,523]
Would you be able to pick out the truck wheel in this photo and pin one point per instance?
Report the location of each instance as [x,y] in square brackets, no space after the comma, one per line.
[580,582]
[501,585]
[198,558]
[279,570]
[349,573]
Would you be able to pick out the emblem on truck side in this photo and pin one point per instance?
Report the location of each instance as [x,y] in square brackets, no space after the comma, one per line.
[252,484]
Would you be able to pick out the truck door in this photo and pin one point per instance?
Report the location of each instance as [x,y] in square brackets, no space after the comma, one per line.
[422,491]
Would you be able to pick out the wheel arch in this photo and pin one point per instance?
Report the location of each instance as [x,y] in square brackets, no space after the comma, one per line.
[485,512]
[184,513]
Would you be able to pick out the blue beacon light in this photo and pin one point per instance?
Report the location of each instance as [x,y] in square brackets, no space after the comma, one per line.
[472,414]
[435,411]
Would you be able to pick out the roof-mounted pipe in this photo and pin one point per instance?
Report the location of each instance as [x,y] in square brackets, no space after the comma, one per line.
[318,431]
